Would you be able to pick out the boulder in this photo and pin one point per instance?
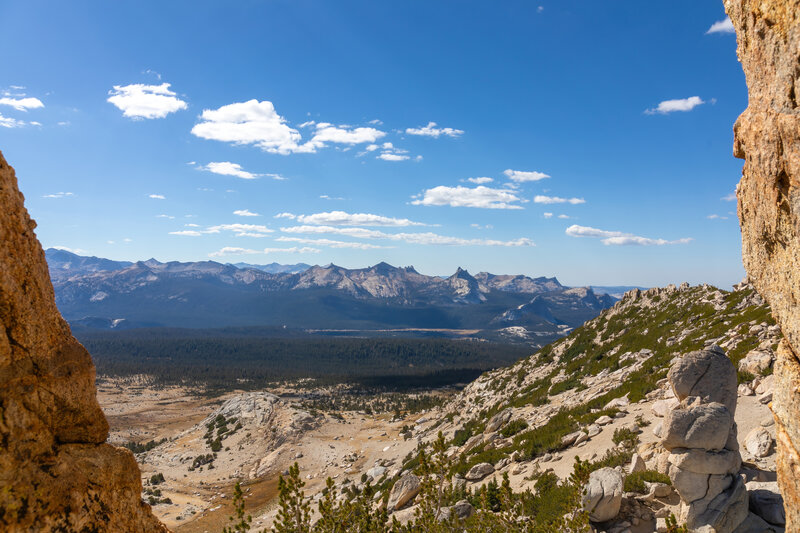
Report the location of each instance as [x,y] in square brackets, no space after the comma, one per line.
[722,513]
[376,472]
[637,464]
[404,490]
[473,441]
[758,442]
[479,471]
[756,362]
[602,495]
[461,510]
[704,426]
[766,385]
[499,420]
[766,501]
[593,430]
[618,403]
[705,462]
[707,374]
[660,408]
[604,420]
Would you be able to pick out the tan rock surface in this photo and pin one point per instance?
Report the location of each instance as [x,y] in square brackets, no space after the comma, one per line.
[56,472]
[767,137]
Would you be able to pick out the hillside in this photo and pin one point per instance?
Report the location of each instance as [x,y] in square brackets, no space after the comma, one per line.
[597,394]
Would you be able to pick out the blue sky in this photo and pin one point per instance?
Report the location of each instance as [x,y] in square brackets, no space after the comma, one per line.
[434,134]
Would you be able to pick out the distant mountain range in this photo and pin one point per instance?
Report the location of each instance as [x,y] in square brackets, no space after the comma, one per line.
[104,294]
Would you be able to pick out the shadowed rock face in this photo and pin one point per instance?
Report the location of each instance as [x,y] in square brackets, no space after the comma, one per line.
[767,137]
[56,472]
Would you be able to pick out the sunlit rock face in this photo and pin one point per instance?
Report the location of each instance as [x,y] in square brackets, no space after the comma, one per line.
[767,137]
[56,472]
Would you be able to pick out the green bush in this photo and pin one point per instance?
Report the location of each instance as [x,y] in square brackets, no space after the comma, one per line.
[514,427]
[635,482]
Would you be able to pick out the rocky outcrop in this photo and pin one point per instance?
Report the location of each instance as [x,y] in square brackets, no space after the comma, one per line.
[405,490]
[700,435]
[767,137]
[56,472]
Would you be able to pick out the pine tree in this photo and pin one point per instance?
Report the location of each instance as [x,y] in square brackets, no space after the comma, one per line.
[239,522]
[294,515]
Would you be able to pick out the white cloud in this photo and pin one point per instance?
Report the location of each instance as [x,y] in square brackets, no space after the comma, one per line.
[72,250]
[541,199]
[388,156]
[328,133]
[22,104]
[480,196]
[432,131]
[729,197]
[670,106]
[331,243]
[342,218]
[145,101]
[59,195]
[723,26]
[191,225]
[480,181]
[170,217]
[157,196]
[250,122]
[564,216]
[547,215]
[232,250]
[618,238]
[372,147]
[226,168]
[327,197]
[521,176]
[375,121]
[426,238]
[8,122]
[715,217]
[245,213]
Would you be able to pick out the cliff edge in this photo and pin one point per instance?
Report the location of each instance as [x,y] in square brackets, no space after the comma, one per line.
[56,472]
[767,137]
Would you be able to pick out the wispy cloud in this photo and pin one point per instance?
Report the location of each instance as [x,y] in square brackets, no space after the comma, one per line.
[342,218]
[168,217]
[480,197]
[140,101]
[541,199]
[717,217]
[232,250]
[239,230]
[618,238]
[723,26]
[327,197]
[59,195]
[389,152]
[331,243]
[547,215]
[22,104]
[671,106]
[520,176]
[425,238]
[157,196]
[245,213]
[78,251]
[729,197]
[226,168]
[431,130]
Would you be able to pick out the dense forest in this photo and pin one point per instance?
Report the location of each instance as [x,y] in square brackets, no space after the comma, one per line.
[227,361]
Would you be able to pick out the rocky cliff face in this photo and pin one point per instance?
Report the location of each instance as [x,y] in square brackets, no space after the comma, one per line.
[56,472]
[767,137]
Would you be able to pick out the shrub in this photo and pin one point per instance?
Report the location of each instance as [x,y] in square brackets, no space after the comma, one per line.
[155,479]
[636,482]
[514,427]
[627,437]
